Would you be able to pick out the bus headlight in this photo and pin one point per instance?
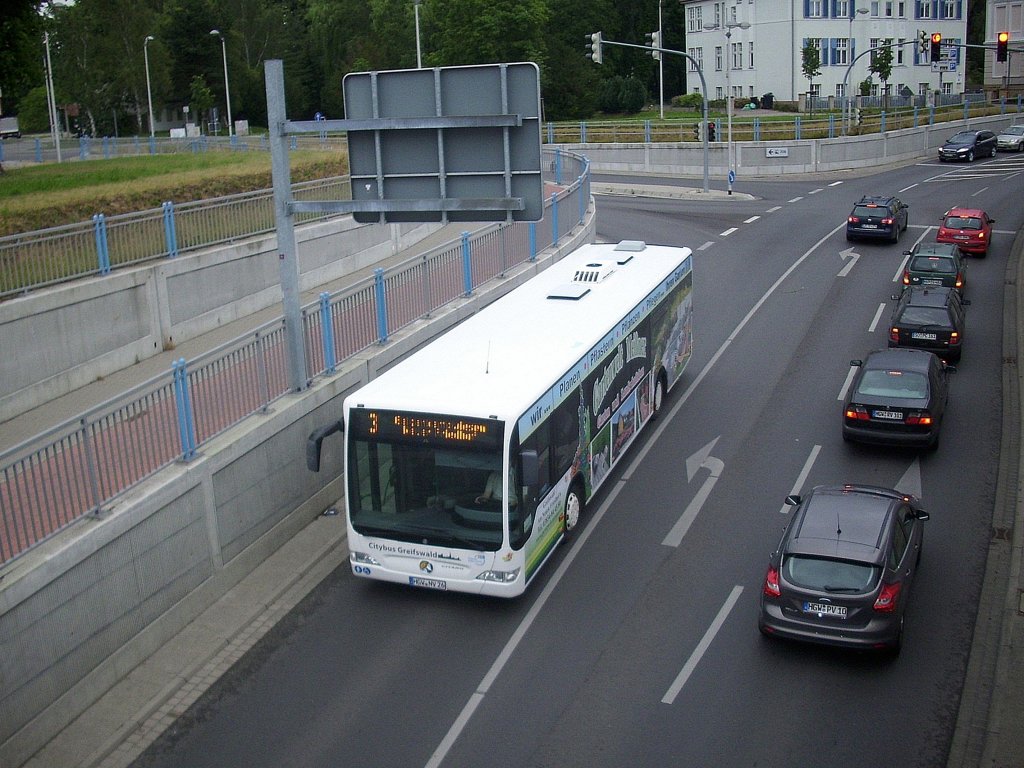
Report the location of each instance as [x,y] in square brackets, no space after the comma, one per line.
[363,559]
[502,577]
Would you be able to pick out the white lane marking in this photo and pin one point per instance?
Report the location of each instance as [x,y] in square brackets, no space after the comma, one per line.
[899,270]
[751,220]
[702,647]
[851,258]
[728,232]
[795,200]
[802,477]
[815,191]
[900,191]
[979,191]
[706,245]
[675,536]
[846,384]
[835,183]
[773,209]
[877,317]
[556,577]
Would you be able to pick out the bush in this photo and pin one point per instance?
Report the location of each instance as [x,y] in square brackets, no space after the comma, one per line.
[692,101]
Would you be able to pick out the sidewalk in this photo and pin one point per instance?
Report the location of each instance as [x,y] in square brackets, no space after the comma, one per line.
[133,714]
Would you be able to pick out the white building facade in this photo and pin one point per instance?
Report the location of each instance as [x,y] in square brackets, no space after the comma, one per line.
[764,50]
[1004,78]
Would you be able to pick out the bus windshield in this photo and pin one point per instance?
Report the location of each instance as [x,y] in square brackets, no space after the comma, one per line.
[436,490]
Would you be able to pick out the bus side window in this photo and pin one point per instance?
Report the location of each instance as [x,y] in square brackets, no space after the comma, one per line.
[565,437]
[540,441]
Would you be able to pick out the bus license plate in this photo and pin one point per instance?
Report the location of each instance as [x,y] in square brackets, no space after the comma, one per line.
[418,581]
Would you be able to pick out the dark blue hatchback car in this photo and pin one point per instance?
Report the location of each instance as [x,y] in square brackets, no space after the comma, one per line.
[877,218]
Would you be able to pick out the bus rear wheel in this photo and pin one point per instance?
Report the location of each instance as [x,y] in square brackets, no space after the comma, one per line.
[659,394]
[573,507]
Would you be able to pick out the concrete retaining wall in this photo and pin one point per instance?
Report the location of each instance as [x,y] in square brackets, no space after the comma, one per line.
[804,156]
[94,327]
[84,608]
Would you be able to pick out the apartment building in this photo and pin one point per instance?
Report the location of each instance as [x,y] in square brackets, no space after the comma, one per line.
[1004,78]
[750,48]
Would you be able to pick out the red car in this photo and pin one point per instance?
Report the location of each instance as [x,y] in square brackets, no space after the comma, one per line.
[968,228]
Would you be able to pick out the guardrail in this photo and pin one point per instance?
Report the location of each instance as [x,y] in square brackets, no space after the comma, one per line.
[77,468]
[60,254]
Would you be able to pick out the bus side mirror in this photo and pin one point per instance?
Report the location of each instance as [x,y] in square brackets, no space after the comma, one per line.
[314,441]
[531,467]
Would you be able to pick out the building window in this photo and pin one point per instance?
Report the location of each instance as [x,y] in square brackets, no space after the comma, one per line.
[898,58]
[815,89]
[698,55]
[718,14]
[718,58]
[840,90]
[737,56]
[815,9]
[922,89]
[924,9]
[732,15]
[842,9]
[888,8]
[947,88]
[901,9]
[693,19]
[719,93]
[750,48]
[949,11]
[842,51]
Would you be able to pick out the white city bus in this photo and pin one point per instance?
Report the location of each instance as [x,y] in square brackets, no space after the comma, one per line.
[469,461]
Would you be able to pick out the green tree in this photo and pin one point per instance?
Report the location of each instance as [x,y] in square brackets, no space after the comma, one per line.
[33,112]
[200,99]
[881,65]
[487,31]
[810,65]
[20,61]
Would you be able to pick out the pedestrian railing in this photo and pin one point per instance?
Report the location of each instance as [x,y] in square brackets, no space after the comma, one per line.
[76,469]
[45,257]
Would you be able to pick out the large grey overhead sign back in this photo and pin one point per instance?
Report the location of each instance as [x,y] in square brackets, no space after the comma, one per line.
[445,144]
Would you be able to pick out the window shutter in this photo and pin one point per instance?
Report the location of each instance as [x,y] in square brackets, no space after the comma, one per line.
[807,9]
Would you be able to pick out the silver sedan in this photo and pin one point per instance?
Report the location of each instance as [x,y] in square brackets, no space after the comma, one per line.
[1011,139]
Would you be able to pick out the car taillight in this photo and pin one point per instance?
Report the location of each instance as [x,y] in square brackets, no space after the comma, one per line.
[858,413]
[959,281]
[921,419]
[894,334]
[853,220]
[954,338]
[771,582]
[888,598]
[887,221]
[906,277]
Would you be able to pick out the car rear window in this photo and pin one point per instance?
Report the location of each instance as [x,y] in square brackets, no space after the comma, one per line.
[924,316]
[829,575]
[963,222]
[870,210]
[937,264]
[893,384]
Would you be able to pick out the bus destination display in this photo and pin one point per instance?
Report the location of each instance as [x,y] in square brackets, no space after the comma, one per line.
[425,427]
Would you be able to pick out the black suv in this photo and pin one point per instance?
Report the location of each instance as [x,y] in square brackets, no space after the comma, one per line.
[930,318]
[843,571]
[878,218]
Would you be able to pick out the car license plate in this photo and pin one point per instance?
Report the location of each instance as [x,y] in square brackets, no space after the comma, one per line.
[923,336]
[824,609]
[961,237]
[931,281]
[418,581]
[888,415]
[870,226]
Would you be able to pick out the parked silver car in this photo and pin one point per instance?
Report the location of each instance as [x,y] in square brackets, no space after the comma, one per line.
[1011,139]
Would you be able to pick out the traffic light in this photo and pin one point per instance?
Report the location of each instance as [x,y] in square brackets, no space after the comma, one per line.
[936,46]
[697,133]
[594,48]
[1002,40]
[711,132]
[922,42]
[654,40]
[858,116]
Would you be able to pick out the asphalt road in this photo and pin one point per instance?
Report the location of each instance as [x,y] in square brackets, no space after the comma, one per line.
[639,645]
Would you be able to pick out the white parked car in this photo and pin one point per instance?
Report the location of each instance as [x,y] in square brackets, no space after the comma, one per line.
[1011,138]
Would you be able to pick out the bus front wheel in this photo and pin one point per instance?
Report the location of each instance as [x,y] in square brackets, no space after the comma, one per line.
[573,507]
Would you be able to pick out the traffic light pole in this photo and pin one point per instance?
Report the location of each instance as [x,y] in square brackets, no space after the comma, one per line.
[703,86]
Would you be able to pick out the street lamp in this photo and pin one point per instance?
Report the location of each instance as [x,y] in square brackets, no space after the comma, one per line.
[227,89]
[729,27]
[416,10]
[149,91]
